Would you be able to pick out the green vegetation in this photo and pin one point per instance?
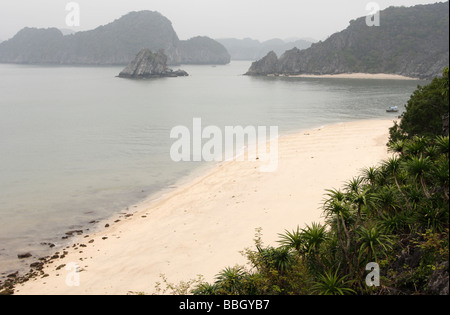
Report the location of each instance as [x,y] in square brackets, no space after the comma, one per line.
[395,214]
[424,110]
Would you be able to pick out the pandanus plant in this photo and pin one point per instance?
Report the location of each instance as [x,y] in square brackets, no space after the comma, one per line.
[229,280]
[331,283]
[373,243]
[394,167]
[442,144]
[397,146]
[370,175]
[306,241]
[418,167]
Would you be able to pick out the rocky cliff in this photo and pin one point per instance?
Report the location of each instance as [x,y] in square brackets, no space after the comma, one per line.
[149,65]
[410,41]
[113,44]
[265,66]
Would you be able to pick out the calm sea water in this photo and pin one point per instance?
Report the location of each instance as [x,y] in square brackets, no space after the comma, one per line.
[78,144]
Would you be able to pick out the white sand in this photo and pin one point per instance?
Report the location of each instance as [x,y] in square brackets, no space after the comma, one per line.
[375,76]
[201,227]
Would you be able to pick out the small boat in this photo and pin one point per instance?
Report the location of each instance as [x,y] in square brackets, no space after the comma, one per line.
[393,109]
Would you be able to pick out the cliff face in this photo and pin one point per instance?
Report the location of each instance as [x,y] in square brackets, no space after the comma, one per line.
[265,66]
[113,44]
[149,65]
[412,42]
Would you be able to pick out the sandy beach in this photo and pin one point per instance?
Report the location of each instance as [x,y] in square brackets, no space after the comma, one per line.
[374,76]
[200,227]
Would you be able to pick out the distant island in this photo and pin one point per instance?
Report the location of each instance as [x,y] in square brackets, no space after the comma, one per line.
[410,41]
[148,65]
[251,49]
[116,43]
[203,50]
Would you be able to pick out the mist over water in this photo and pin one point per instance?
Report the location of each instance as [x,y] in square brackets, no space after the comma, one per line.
[78,144]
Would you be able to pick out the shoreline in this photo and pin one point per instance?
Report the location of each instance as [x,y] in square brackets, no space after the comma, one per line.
[371,76]
[200,225]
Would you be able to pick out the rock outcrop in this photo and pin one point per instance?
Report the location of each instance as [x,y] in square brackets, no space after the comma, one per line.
[438,283]
[150,65]
[412,41]
[266,66]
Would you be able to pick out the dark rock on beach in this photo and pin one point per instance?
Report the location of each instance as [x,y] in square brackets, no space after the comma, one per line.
[24,255]
[37,265]
[77,232]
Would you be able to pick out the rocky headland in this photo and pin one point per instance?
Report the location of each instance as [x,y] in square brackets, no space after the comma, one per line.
[410,41]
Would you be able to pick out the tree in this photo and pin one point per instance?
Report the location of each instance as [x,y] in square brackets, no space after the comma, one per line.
[313,237]
[424,110]
[393,166]
[370,175]
[362,200]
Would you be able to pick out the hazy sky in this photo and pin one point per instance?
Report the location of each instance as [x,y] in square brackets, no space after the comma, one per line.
[258,19]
